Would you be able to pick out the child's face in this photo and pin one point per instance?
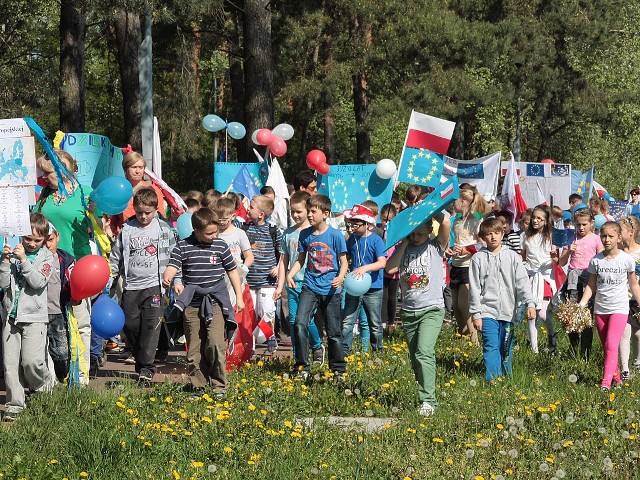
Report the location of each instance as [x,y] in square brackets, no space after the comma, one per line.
[33,242]
[255,214]
[144,214]
[386,218]
[316,216]
[52,241]
[493,239]
[357,227]
[207,234]
[225,219]
[299,213]
[609,237]
[538,220]
[627,232]
[584,226]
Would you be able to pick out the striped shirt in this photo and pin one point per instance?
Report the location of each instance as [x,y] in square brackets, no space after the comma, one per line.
[264,254]
[202,264]
[512,241]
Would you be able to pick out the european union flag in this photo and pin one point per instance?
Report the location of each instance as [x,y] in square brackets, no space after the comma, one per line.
[245,184]
[535,169]
[563,237]
[224,174]
[581,182]
[346,185]
[420,167]
[474,171]
[411,218]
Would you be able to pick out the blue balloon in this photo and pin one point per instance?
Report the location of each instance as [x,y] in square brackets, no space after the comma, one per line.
[599,221]
[606,196]
[357,286]
[236,130]
[183,225]
[112,195]
[213,123]
[107,318]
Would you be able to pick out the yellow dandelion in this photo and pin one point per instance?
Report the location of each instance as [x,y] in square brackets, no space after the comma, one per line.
[84,474]
[611,412]
[227,449]
[252,407]
[195,464]
[168,400]
[449,461]
[176,475]
[147,444]
[437,440]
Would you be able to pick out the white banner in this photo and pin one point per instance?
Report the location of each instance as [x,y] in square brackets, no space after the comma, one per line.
[482,173]
[548,178]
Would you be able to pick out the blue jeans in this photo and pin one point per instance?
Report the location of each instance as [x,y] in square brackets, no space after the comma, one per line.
[293,295]
[365,332]
[330,307]
[96,346]
[497,346]
[372,305]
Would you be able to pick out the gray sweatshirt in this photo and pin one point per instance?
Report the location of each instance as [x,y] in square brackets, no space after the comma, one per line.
[497,285]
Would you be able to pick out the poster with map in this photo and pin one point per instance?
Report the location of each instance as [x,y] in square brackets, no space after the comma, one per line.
[17,161]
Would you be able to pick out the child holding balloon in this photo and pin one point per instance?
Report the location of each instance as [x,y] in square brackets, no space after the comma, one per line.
[368,259]
[140,255]
[24,274]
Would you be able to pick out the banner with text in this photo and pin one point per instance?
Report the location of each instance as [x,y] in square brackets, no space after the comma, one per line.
[552,179]
[346,185]
[97,158]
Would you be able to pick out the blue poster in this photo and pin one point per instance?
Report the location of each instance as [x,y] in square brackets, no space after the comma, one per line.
[224,173]
[96,157]
[346,185]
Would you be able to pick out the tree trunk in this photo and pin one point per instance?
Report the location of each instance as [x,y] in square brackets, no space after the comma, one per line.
[128,36]
[72,35]
[236,78]
[258,68]
[361,110]
[329,118]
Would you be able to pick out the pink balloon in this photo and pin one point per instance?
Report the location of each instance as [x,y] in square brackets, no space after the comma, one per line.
[547,160]
[264,136]
[315,158]
[277,146]
[323,168]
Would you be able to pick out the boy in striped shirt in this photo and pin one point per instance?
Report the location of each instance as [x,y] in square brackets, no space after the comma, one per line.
[203,260]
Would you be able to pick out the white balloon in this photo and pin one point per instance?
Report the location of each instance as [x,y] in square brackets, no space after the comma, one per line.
[283,131]
[254,136]
[386,168]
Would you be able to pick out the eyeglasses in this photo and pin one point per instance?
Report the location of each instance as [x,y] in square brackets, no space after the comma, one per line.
[354,225]
[224,221]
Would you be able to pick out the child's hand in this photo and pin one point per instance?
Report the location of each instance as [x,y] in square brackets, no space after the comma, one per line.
[166,281]
[291,283]
[19,252]
[573,247]
[178,288]
[337,282]
[531,314]
[6,253]
[477,324]
[359,272]
[239,304]
[277,294]
[274,272]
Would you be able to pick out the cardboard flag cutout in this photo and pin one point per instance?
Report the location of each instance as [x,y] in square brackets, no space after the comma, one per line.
[411,218]
[420,167]
[346,185]
[224,173]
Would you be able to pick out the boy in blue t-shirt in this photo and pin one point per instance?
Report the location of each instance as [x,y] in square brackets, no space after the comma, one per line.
[367,253]
[325,252]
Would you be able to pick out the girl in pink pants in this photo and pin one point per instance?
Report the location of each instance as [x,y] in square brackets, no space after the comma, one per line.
[611,275]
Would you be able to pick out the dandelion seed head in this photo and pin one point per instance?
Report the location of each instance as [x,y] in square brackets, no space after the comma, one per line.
[356,391]
[560,473]
[212,468]
[543,467]
[573,378]
[602,430]
[513,453]
[368,413]
[473,383]
[510,420]
[557,446]
[470,453]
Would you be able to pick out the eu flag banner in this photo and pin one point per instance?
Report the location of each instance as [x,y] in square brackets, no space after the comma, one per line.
[245,184]
[224,173]
[411,218]
[346,185]
[581,182]
[421,167]
[563,237]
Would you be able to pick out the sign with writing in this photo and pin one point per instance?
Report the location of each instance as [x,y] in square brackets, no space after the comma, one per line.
[97,158]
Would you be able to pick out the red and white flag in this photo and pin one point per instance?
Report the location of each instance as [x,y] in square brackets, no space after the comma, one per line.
[263,331]
[429,132]
[511,198]
[540,200]
[600,190]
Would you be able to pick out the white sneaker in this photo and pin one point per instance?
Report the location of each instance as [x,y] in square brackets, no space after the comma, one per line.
[426,410]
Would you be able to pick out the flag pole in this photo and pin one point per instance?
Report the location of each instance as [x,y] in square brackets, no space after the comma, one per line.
[404,145]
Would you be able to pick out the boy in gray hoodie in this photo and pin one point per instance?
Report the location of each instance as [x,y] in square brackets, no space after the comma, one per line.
[24,274]
[498,283]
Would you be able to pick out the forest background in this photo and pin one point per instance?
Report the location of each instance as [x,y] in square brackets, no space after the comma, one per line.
[344,74]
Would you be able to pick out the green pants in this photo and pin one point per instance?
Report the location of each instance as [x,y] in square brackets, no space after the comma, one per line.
[422,328]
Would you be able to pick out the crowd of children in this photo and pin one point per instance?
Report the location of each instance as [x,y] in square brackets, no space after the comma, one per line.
[469,262]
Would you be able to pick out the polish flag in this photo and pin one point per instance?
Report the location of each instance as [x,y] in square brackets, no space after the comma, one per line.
[511,198]
[429,132]
[540,200]
[263,331]
[600,190]
[448,190]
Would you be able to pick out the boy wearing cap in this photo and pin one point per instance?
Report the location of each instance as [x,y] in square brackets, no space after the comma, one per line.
[367,253]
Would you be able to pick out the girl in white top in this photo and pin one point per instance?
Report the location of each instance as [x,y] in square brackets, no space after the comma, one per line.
[536,254]
[630,228]
[611,274]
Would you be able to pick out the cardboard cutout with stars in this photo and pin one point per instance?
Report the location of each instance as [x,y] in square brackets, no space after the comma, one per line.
[346,185]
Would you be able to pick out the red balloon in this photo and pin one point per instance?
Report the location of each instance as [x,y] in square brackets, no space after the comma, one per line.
[89,276]
[323,168]
[547,160]
[277,146]
[264,136]
[315,158]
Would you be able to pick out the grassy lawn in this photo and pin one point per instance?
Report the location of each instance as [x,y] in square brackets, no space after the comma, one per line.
[549,421]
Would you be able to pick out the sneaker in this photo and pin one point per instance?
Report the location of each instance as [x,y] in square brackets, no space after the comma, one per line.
[130,360]
[604,388]
[303,376]
[625,376]
[102,360]
[111,346]
[272,344]
[426,410]
[10,416]
[145,378]
[318,355]
[124,354]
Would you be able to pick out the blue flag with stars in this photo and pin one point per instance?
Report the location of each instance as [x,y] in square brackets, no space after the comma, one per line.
[411,218]
[420,167]
[224,174]
[581,182]
[346,185]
